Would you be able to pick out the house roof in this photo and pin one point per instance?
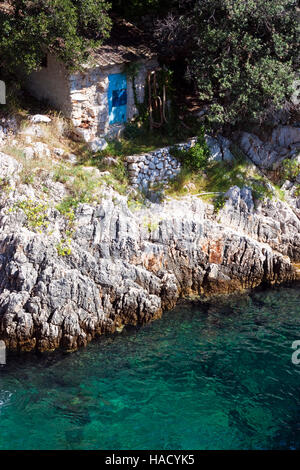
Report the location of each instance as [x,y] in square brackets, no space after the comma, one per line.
[127,43]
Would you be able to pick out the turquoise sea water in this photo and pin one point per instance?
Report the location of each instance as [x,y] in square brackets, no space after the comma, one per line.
[218,376]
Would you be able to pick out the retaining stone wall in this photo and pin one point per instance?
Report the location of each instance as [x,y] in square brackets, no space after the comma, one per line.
[154,167]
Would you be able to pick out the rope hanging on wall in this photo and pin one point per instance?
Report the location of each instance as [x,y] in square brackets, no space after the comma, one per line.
[155,102]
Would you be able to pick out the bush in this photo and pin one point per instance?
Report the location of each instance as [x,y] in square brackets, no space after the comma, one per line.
[36,214]
[195,158]
[242,56]
[219,202]
[290,169]
[246,57]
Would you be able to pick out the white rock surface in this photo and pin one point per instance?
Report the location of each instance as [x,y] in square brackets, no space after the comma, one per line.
[126,267]
[40,118]
[41,150]
[9,166]
[98,145]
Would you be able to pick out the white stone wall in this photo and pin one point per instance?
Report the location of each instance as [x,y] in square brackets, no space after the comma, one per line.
[90,112]
[51,83]
[154,167]
[82,96]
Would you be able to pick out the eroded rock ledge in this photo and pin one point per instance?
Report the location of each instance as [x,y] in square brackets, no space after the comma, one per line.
[127,267]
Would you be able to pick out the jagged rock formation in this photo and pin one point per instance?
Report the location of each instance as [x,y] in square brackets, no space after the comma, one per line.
[282,147]
[126,267]
[283,143]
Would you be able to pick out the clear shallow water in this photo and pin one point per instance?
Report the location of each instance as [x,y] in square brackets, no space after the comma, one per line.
[202,377]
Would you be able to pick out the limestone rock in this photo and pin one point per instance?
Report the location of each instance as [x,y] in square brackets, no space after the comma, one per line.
[72,158]
[59,152]
[215,148]
[9,166]
[98,145]
[110,161]
[79,97]
[41,150]
[33,131]
[40,118]
[83,134]
[127,267]
[261,153]
[284,136]
[29,153]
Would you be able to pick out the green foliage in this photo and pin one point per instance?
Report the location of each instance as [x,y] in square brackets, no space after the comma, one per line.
[260,190]
[67,207]
[290,169]
[151,225]
[164,88]
[66,28]
[132,131]
[215,180]
[136,140]
[4,185]
[244,56]
[131,69]
[81,184]
[195,158]
[297,190]
[219,202]
[64,247]
[35,212]
[82,187]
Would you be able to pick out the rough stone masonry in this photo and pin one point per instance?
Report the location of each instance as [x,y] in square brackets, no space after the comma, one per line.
[159,166]
[154,167]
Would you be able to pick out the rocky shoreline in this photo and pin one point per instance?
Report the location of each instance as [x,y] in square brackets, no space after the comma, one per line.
[127,267]
[69,273]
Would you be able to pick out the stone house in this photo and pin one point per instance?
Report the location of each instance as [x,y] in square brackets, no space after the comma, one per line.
[100,97]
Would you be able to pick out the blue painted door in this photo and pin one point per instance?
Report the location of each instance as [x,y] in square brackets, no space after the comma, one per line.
[117,98]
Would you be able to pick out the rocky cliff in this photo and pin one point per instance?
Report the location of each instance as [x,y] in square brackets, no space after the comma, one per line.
[124,267]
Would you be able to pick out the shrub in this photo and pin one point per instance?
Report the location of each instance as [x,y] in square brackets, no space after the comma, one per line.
[195,158]
[243,56]
[35,212]
[64,247]
[290,169]
[219,202]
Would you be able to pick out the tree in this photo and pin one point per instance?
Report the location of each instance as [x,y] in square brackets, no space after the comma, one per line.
[136,9]
[67,28]
[243,54]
